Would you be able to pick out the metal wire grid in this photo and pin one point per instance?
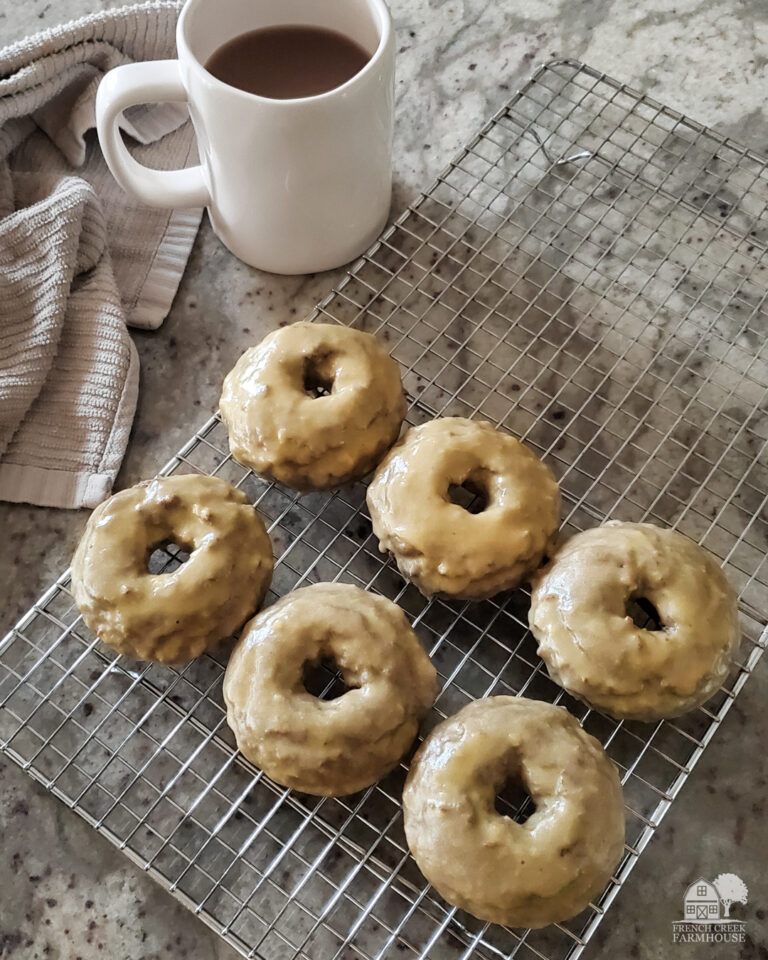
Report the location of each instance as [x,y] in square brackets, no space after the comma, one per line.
[608,308]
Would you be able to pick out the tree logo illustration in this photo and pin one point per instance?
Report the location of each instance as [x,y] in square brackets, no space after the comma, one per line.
[731,889]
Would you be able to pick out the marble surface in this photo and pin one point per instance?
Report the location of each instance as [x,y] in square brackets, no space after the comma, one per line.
[65,892]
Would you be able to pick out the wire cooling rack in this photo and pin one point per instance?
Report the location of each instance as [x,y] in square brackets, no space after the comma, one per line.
[590,274]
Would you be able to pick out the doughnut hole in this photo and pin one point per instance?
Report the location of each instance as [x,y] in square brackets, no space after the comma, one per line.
[167,555]
[512,798]
[318,375]
[471,494]
[643,613]
[324,679]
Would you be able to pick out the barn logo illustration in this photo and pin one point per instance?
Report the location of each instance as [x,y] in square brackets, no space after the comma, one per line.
[707,911]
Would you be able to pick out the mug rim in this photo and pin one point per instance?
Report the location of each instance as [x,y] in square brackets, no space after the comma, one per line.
[385,24]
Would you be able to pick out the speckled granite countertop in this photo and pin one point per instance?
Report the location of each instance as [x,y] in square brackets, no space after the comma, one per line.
[65,892]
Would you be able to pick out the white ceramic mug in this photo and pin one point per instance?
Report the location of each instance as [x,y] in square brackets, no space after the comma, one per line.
[291,186]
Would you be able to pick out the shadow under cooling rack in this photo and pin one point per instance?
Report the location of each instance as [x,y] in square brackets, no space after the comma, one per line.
[589,274]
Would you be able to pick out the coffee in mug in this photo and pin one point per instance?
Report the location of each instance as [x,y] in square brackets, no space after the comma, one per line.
[285,63]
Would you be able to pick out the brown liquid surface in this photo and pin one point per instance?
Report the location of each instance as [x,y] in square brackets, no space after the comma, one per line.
[287,62]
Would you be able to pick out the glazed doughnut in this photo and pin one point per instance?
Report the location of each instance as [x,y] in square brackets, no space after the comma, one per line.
[175,616]
[529,874]
[440,546]
[280,429]
[593,648]
[328,747]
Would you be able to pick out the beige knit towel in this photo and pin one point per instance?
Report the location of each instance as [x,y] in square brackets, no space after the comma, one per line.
[78,257]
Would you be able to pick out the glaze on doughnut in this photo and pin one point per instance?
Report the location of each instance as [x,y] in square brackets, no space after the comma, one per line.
[328,747]
[529,874]
[437,544]
[281,429]
[175,616]
[593,648]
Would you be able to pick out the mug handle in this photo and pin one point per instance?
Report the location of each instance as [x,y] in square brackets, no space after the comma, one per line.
[153,81]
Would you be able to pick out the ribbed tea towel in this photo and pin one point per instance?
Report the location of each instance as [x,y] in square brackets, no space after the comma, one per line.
[79,258]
